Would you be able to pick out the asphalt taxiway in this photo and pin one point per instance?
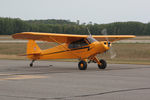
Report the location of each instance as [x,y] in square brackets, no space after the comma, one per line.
[50,80]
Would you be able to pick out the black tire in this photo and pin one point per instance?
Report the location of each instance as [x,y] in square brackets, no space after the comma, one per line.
[82,65]
[31,65]
[103,64]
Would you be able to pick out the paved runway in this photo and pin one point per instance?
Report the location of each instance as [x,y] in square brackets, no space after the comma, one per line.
[49,80]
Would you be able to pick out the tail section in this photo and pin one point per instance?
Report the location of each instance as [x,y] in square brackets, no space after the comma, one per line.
[33,50]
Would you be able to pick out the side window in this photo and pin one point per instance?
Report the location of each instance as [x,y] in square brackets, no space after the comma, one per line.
[78,44]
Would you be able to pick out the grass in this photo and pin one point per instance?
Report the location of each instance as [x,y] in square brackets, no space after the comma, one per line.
[6,37]
[14,57]
[134,53]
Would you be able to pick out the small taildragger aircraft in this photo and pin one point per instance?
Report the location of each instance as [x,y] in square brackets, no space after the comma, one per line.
[80,47]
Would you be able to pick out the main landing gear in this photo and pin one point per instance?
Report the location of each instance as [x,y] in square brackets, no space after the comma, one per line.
[102,64]
[82,65]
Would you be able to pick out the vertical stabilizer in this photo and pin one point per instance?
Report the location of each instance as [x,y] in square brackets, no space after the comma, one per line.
[33,48]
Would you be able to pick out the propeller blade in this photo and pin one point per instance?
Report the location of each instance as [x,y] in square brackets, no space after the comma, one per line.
[104,32]
[111,50]
[112,53]
[89,32]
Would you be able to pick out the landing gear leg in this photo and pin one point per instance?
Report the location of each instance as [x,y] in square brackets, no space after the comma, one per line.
[102,64]
[31,64]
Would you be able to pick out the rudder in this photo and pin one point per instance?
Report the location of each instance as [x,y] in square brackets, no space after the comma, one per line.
[32,49]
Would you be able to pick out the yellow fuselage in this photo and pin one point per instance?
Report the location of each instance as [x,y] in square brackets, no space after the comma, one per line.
[64,52]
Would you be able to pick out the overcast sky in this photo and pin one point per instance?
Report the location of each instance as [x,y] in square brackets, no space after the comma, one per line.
[97,11]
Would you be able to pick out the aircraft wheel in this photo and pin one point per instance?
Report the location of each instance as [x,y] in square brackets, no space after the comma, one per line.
[31,65]
[103,64]
[82,65]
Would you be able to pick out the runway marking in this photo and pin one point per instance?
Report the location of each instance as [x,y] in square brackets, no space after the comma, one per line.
[4,74]
[21,77]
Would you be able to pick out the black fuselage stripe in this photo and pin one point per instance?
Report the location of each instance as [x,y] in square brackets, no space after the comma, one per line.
[65,51]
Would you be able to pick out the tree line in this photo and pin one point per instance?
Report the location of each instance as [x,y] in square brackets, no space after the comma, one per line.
[10,26]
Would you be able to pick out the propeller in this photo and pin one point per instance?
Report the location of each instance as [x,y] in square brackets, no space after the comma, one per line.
[111,50]
[112,53]
[104,32]
[89,32]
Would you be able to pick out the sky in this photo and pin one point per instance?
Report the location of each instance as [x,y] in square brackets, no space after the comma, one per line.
[96,11]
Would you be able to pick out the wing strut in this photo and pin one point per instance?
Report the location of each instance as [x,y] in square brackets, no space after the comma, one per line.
[63,46]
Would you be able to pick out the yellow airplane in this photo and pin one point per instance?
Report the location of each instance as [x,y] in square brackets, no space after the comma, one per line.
[80,47]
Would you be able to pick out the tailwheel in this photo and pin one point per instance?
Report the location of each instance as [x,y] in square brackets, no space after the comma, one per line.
[82,65]
[31,64]
[103,64]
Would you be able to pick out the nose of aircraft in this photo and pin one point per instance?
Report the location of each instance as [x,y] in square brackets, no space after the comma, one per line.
[104,46]
[107,45]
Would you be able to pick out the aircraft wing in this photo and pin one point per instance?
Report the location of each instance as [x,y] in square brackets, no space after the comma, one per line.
[112,38]
[50,37]
[64,38]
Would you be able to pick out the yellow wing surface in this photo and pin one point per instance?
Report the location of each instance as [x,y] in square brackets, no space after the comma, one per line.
[66,38]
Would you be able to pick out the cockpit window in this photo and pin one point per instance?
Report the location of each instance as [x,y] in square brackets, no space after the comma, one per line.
[91,39]
[77,44]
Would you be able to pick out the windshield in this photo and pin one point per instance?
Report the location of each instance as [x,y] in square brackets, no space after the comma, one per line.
[91,39]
